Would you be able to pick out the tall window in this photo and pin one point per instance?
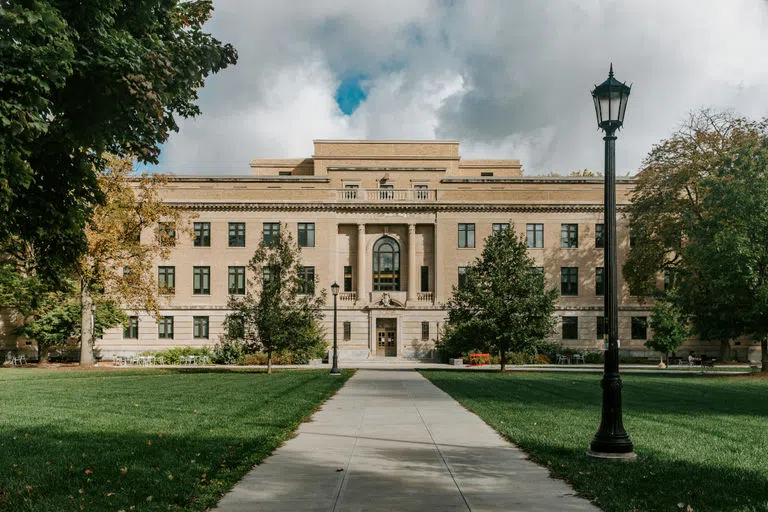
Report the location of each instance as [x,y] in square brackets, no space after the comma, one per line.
[166,280]
[308,281]
[599,281]
[425,279]
[570,327]
[386,264]
[599,236]
[466,235]
[347,278]
[424,330]
[271,232]
[569,236]
[639,327]
[669,278]
[600,327]
[237,234]
[350,191]
[131,328]
[386,192]
[166,233]
[165,327]
[569,280]
[462,276]
[347,330]
[200,327]
[201,280]
[306,234]
[237,280]
[500,226]
[422,191]
[202,234]
[534,234]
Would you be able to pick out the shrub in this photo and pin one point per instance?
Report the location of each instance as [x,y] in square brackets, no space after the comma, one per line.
[228,352]
[593,357]
[171,355]
[542,359]
[551,349]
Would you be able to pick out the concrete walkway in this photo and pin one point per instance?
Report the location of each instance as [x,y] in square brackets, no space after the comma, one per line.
[392,441]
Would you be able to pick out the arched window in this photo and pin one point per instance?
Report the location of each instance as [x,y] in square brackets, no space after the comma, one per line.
[386,265]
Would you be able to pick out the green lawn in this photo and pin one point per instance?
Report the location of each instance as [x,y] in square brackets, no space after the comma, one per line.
[143,439]
[701,441]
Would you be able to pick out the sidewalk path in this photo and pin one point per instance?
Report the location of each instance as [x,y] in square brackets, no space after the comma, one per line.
[392,441]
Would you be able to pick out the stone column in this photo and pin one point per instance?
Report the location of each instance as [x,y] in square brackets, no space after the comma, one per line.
[413,284]
[438,270]
[362,275]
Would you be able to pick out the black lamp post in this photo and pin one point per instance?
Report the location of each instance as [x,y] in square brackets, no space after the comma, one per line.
[335,367]
[611,440]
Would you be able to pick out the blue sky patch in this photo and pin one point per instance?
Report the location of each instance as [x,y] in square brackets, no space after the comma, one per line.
[351,93]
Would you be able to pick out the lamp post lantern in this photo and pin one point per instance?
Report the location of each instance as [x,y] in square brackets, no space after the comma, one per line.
[611,440]
[335,367]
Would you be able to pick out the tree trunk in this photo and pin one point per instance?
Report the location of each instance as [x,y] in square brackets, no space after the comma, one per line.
[42,354]
[725,350]
[764,354]
[86,329]
[269,362]
[503,359]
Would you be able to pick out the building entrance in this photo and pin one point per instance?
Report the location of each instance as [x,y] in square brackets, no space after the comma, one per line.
[386,337]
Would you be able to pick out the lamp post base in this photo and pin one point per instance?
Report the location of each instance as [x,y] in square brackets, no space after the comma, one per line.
[629,456]
[335,372]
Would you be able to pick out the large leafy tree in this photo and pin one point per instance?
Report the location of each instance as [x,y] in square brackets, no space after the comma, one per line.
[280,311]
[700,210]
[80,79]
[502,305]
[670,327]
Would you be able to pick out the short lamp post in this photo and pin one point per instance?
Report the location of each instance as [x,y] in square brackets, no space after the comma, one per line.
[335,367]
[611,440]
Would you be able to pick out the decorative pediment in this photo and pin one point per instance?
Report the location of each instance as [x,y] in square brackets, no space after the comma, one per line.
[386,301]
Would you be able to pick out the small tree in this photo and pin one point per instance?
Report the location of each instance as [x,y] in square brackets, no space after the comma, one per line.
[502,304]
[670,328]
[283,312]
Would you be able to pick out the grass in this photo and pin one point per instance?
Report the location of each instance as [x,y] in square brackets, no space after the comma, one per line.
[143,439]
[702,442]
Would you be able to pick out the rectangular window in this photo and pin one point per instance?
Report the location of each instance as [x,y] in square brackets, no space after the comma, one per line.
[166,233]
[466,235]
[271,232]
[569,280]
[306,234]
[600,327]
[237,234]
[599,281]
[166,280]
[570,327]
[165,328]
[347,278]
[599,236]
[266,274]
[308,281]
[202,234]
[350,191]
[425,279]
[462,276]
[237,280]
[386,192]
[347,330]
[669,279]
[639,327]
[201,280]
[534,235]
[424,330]
[131,328]
[421,191]
[284,173]
[538,270]
[200,327]
[500,226]
[486,173]
[569,236]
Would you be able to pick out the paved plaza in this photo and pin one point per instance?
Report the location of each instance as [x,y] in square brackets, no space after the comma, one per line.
[391,440]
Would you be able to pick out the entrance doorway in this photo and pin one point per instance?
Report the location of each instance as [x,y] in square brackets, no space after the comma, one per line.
[386,337]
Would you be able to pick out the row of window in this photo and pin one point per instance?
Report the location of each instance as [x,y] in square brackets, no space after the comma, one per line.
[236,233]
[534,234]
[571,327]
[200,328]
[201,280]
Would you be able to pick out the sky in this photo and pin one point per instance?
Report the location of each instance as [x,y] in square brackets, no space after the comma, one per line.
[507,78]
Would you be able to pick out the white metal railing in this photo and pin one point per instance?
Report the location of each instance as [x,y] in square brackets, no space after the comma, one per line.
[425,296]
[382,195]
[347,296]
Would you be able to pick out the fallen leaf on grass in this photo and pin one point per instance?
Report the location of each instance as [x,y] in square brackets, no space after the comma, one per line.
[89,471]
[123,472]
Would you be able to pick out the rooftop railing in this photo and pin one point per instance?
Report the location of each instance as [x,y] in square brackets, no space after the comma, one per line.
[386,195]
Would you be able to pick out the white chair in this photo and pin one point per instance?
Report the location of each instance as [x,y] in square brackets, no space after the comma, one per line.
[562,359]
[577,358]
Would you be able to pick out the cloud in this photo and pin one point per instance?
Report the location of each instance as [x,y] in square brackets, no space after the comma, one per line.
[508,79]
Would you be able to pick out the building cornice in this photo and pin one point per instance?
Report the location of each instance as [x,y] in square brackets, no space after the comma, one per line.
[535,180]
[298,178]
